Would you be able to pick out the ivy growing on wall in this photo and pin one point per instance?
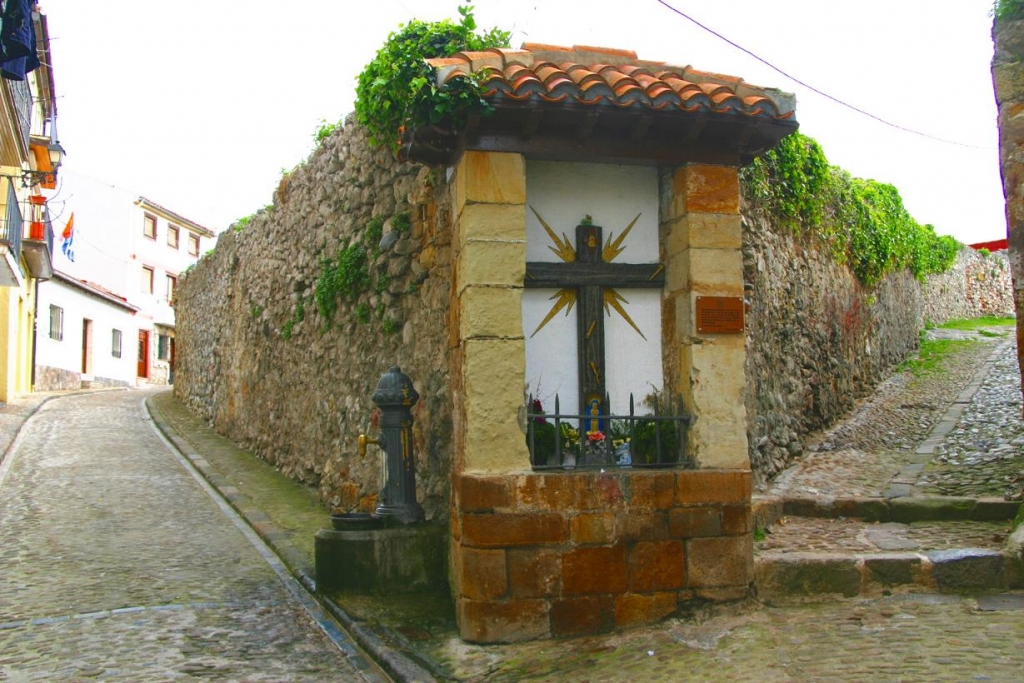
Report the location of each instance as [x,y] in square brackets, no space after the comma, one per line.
[342,278]
[397,89]
[349,278]
[863,221]
[1008,10]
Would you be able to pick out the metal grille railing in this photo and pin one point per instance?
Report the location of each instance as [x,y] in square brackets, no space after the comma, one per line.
[48,234]
[22,96]
[14,224]
[565,441]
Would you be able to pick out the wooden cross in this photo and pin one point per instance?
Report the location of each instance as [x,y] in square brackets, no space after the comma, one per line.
[588,276]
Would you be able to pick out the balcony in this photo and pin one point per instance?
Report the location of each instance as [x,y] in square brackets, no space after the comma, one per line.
[11,274]
[38,248]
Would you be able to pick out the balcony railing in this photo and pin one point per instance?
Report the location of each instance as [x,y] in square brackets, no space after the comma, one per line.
[563,441]
[38,248]
[14,225]
[22,96]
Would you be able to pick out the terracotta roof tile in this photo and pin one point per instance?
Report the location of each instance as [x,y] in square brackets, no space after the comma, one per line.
[597,76]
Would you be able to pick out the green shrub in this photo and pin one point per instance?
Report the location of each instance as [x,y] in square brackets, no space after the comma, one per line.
[323,131]
[397,89]
[1008,10]
[864,222]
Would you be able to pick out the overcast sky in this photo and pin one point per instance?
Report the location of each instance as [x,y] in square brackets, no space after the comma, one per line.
[200,104]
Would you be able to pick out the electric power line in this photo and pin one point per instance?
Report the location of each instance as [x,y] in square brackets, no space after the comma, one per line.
[812,88]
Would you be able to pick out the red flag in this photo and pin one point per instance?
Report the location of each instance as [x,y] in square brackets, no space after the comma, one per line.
[69,228]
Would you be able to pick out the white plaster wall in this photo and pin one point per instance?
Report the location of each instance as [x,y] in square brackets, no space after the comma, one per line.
[563,193]
[67,353]
[110,248]
[102,243]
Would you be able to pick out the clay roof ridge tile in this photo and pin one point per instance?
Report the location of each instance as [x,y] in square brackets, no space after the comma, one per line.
[605,51]
[721,79]
[544,47]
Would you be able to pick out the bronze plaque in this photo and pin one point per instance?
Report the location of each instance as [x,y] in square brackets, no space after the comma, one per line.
[720,314]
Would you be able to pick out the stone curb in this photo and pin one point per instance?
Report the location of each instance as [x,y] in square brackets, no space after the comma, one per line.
[849,575]
[397,663]
[769,510]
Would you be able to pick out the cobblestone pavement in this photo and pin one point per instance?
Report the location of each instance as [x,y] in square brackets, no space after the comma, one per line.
[984,454]
[897,638]
[863,454]
[854,535]
[116,565]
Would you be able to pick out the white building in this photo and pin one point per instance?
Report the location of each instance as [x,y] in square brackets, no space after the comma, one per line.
[116,283]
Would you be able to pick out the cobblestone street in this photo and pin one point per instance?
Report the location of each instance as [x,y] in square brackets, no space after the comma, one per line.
[116,565]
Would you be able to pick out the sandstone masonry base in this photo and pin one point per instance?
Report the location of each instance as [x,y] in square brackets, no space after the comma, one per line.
[558,554]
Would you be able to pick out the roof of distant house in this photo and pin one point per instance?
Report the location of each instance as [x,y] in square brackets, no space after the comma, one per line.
[608,105]
[95,290]
[173,216]
[993,245]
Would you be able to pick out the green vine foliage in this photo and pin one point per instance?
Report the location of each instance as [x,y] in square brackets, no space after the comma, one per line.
[324,131]
[345,278]
[864,222]
[397,89]
[1008,10]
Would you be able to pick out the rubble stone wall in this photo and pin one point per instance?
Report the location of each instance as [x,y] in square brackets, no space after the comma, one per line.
[817,340]
[1008,36]
[257,359]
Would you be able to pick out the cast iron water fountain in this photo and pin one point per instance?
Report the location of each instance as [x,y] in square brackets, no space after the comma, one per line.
[388,549]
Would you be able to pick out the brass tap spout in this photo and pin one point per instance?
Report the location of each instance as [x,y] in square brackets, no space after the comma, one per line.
[363,440]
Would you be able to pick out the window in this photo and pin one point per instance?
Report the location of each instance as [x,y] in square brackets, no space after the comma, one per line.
[147,279]
[56,322]
[149,226]
[163,347]
[115,343]
[193,244]
[172,284]
[172,237]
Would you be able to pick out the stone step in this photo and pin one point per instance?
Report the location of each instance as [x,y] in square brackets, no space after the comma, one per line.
[854,546]
[848,574]
[768,510]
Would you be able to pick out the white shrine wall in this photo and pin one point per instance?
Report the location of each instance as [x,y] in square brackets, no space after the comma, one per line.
[563,194]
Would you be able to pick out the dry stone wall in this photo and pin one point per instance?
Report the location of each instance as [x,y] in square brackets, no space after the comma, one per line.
[817,340]
[257,359]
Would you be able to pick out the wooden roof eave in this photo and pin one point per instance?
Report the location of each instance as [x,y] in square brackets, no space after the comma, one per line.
[605,133]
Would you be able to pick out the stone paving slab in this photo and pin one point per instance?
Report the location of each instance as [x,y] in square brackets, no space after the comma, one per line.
[805,534]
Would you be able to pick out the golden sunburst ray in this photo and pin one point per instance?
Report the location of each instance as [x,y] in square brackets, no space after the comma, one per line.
[565,250]
[566,297]
[612,299]
[614,246]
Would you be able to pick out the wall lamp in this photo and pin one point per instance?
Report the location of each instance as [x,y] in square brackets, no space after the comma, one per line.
[56,154]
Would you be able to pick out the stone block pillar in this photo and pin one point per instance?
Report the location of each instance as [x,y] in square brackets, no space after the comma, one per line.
[487,329]
[702,238]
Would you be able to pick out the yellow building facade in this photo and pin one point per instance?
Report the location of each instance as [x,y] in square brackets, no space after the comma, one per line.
[29,155]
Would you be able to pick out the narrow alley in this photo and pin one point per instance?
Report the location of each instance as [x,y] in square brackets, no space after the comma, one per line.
[115,563]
